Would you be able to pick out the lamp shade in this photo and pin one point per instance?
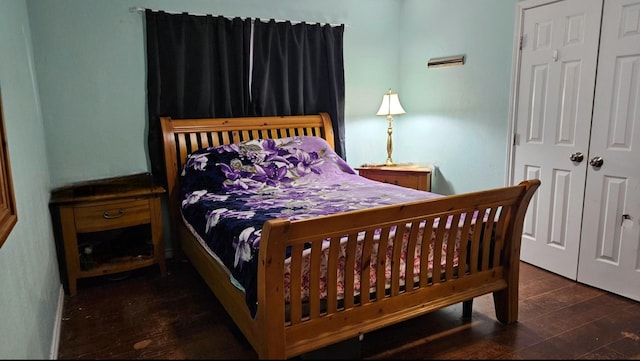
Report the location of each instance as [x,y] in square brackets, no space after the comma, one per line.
[390,105]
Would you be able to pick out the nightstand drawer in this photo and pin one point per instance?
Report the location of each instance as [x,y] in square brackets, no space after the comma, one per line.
[404,180]
[415,177]
[112,215]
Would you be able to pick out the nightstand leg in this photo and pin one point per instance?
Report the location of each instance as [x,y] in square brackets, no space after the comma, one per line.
[156,235]
[73,286]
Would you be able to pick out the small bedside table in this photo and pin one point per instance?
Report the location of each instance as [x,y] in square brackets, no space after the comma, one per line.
[409,176]
[107,226]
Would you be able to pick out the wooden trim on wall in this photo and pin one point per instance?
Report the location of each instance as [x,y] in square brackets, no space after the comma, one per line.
[8,212]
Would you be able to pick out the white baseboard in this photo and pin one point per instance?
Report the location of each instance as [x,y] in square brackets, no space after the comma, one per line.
[55,339]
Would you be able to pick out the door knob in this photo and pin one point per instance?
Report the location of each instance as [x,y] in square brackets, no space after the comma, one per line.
[577,157]
[624,218]
[596,162]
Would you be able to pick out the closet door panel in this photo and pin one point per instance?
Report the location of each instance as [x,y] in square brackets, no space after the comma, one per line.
[610,241]
[556,80]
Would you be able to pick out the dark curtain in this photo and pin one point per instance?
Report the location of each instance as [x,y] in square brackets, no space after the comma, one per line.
[197,67]
[298,69]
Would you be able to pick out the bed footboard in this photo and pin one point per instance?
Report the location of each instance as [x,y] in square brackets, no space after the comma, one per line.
[475,236]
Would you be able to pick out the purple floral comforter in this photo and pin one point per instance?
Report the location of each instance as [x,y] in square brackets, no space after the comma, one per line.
[229,191]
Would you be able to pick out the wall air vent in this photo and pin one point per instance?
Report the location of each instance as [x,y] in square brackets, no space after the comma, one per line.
[445,61]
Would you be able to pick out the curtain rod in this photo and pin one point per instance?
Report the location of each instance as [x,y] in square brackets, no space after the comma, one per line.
[141,10]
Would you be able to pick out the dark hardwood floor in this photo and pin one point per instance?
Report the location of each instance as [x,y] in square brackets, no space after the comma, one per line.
[146,316]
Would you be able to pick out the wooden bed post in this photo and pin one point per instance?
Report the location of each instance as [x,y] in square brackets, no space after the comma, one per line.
[171,169]
[328,129]
[506,301]
[271,312]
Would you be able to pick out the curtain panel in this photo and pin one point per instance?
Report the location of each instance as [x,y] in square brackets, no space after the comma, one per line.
[299,69]
[197,67]
[201,66]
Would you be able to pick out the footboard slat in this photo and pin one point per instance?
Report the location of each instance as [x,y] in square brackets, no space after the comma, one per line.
[349,269]
[396,252]
[365,268]
[314,279]
[437,249]
[487,236]
[424,251]
[463,246]
[475,244]
[451,246]
[332,275]
[412,251]
[498,239]
[381,263]
[296,277]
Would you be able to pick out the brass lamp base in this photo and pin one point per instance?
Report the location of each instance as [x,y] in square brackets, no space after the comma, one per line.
[389,161]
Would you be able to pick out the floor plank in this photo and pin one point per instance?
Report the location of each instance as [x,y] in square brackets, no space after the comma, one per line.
[146,316]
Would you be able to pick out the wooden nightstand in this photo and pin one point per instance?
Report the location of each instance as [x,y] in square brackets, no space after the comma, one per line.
[107,226]
[409,176]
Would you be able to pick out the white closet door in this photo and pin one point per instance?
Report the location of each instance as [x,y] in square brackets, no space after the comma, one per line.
[610,245]
[555,86]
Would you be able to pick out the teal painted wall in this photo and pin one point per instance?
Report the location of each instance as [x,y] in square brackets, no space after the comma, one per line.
[90,60]
[457,117]
[29,281]
[73,82]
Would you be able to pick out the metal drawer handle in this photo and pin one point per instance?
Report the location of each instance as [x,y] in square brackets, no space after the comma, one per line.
[106,214]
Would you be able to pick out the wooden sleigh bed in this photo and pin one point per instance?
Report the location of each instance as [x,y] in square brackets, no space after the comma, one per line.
[277,329]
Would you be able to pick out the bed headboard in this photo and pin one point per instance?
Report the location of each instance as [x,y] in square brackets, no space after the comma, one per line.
[183,136]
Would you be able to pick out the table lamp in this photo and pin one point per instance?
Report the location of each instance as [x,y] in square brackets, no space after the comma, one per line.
[390,106]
